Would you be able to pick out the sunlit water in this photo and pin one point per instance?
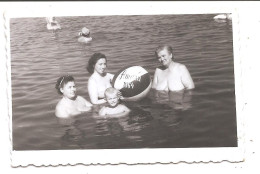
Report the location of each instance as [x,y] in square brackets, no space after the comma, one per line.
[204,117]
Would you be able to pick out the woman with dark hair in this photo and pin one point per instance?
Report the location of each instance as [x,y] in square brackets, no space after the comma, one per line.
[99,80]
[71,104]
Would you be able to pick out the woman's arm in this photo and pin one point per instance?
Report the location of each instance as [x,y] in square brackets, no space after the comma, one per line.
[61,112]
[155,81]
[88,104]
[93,92]
[186,78]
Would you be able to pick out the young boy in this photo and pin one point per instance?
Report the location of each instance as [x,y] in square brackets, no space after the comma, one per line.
[114,109]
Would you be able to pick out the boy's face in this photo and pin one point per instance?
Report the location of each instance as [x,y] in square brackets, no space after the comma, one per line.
[112,99]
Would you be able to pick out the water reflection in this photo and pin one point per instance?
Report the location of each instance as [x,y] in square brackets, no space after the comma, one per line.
[77,131]
[180,100]
[72,134]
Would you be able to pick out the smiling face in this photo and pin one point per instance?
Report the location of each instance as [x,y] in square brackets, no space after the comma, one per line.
[100,66]
[164,57]
[112,99]
[69,90]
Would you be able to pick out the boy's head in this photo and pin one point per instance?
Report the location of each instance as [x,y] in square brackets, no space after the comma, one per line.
[111,95]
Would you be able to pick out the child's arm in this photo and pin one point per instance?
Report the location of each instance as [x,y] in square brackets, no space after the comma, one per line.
[126,109]
[102,111]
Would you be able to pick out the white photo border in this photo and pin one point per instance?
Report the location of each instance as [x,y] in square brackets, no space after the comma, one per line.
[128,156]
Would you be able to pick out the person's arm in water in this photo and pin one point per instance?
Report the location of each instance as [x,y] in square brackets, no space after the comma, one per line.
[88,104]
[102,111]
[93,92]
[61,112]
[186,78]
[123,111]
[155,81]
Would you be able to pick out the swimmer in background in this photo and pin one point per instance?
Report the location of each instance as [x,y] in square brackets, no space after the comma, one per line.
[171,76]
[84,35]
[115,109]
[52,24]
[71,104]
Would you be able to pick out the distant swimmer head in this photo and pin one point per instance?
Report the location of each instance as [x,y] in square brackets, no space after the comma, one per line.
[84,32]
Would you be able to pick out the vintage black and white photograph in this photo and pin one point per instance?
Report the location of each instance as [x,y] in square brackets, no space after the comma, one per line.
[123,82]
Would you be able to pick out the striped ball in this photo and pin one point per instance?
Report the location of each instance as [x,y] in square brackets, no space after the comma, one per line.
[134,82]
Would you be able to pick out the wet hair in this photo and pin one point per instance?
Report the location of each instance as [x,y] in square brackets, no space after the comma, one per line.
[111,90]
[62,81]
[93,60]
[162,47]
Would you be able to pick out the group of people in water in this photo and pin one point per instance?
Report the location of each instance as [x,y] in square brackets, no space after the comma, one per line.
[170,76]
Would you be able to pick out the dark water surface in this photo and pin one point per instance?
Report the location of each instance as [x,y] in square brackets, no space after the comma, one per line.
[204,117]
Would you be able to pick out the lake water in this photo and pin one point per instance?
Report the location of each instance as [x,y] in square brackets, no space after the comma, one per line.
[203,117]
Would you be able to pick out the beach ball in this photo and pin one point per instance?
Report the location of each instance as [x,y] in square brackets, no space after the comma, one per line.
[133,82]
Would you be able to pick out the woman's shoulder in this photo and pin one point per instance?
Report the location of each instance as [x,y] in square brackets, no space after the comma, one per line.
[92,77]
[110,75]
[60,103]
[179,65]
[80,97]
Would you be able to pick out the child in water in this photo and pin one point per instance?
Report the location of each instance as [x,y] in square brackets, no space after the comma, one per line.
[114,109]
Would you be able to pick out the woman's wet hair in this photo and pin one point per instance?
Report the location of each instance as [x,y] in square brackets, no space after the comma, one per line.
[93,60]
[63,80]
[162,47]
